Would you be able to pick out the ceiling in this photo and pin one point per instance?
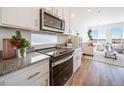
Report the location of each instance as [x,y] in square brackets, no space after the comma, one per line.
[98,15]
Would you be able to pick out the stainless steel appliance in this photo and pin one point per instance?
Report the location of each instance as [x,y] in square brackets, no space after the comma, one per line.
[61,64]
[51,22]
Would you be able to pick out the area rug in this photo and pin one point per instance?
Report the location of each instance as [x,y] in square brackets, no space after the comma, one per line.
[99,57]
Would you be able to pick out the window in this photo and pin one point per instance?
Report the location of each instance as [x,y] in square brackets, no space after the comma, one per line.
[123,36]
[39,39]
[101,34]
[94,34]
[98,34]
[117,33]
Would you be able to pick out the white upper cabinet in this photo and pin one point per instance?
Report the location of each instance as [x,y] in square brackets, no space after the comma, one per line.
[18,17]
[75,22]
[67,20]
[57,11]
[50,9]
[70,22]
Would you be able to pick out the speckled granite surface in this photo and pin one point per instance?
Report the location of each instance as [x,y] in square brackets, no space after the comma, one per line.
[14,64]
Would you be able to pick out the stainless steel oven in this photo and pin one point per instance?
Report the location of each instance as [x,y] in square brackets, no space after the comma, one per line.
[61,64]
[51,22]
[61,70]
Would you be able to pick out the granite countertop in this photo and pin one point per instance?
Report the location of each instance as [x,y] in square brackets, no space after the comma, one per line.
[14,64]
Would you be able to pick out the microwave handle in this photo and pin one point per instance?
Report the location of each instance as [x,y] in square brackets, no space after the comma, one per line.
[63,25]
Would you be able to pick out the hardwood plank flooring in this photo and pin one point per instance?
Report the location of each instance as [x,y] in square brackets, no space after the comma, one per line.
[92,73]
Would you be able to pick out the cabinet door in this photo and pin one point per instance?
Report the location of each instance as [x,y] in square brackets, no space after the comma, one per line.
[59,12]
[79,54]
[74,22]
[25,18]
[43,81]
[50,9]
[2,79]
[28,75]
[67,20]
[76,59]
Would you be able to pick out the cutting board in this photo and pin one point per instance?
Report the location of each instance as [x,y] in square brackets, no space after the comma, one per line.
[8,49]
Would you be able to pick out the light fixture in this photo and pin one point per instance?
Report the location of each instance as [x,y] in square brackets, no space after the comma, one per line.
[99,11]
[89,10]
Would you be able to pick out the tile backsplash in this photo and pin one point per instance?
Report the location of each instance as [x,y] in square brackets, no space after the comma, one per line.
[61,39]
[41,39]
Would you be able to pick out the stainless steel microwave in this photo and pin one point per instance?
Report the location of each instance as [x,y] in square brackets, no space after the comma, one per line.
[51,22]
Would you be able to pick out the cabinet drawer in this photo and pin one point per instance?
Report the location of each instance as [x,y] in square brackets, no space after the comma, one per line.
[2,83]
[18,72]
[28,76]
[42,81]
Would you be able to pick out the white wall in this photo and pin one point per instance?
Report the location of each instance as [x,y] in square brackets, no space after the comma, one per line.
[41,39]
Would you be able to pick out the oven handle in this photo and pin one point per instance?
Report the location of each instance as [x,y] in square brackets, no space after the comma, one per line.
[61,61]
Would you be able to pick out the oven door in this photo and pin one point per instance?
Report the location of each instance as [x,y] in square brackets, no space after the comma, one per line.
[51,22]
[62,71]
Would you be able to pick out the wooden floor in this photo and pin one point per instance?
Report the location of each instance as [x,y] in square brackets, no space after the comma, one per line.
[93,73]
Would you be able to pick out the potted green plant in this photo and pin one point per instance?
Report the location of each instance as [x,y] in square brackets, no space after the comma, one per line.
[89,34]
[21,44]
[90,38]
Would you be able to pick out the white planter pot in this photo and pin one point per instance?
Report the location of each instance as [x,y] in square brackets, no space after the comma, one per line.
[19,54]
[25,53]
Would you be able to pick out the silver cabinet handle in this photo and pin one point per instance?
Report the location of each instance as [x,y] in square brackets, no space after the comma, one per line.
[33,75]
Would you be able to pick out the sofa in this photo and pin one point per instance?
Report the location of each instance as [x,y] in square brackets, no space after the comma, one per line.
[118,47]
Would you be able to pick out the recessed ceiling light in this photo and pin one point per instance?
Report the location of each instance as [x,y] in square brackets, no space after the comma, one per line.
[89,10]
[99,11]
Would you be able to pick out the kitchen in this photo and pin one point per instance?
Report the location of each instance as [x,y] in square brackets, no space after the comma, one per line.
[55,52]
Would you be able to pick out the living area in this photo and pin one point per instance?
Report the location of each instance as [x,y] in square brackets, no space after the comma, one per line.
[105,36]
[107,43]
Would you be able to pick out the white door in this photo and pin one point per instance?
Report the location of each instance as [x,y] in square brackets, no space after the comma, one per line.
[21,17]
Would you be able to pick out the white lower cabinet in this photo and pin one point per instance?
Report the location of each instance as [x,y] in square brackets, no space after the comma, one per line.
[37,74]
[42,81]
[76,59]
[2,82]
